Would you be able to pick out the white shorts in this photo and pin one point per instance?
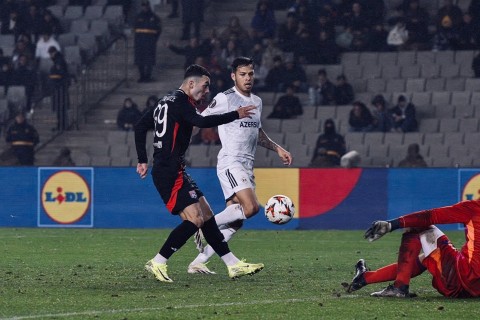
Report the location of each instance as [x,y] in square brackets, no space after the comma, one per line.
[234,179]
[429,238]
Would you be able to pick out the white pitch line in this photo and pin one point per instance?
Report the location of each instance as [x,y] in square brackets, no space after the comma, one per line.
[136,310]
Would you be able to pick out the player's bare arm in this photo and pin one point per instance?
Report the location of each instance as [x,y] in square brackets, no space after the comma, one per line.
[266,142]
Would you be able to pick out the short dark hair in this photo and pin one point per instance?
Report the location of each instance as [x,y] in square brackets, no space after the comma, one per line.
[240,62]
[195,70]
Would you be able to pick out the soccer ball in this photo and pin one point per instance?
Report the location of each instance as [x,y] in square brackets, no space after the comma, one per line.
[279,209]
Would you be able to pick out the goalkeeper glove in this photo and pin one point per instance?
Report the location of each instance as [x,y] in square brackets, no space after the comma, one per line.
[377,230]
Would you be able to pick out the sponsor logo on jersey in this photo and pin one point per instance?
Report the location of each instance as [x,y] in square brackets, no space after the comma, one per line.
[193,194]
[471,190]
[248,124]
[212,104]
[65,197]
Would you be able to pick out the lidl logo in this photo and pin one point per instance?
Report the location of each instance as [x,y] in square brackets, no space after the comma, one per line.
[65,197]
[471,190]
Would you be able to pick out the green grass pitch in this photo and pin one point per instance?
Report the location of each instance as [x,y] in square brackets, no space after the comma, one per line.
[98,274]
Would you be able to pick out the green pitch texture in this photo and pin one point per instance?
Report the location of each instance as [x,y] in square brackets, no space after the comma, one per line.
[98,274]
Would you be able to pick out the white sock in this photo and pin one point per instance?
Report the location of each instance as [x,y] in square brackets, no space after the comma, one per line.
[230,259]
[159,258]
[231,213]
[208,252]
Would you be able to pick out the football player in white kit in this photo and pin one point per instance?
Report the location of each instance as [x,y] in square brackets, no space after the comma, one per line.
[235,160]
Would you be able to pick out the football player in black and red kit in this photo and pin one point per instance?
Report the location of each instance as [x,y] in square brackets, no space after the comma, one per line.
[172,122]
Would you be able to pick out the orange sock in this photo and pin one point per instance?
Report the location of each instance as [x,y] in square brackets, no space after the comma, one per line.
[387,273]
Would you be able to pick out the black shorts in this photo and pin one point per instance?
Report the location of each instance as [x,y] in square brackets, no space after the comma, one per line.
[177,192]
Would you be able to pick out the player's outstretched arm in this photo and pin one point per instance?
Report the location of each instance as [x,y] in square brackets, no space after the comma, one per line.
[266,142]
[380,228]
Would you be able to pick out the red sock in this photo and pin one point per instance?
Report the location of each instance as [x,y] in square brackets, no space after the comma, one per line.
[408,263]
[387,273]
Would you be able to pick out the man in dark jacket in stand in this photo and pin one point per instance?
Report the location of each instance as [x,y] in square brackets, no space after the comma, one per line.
[147,30]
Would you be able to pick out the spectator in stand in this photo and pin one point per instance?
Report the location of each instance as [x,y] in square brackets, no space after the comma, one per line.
[151,103]
[413,159]
[343,91]
[22,138]
[256,53]
[398,36]
[147,28]
[22,50]
[360,119]
[324,24]
[191,51]
[192,13]
[449,19]
[344,39]
[210,136]
[322,93]
[449,12]
[33,21]
[263,21]
[468,34]
[382,118]
[13,25]
[276,76]
[24,75]
[378,38]
[357,18]
[49,21]
[286,33]
[46,41]
[305,49]
[270,52]
[229,53]
[360,39]
[64,158]
[294,75]
[416,19]
[59,79]
[326,50]
[330,147]
[476,65]
[306,15]
[128,115]
[404,116]
[288,106]
[220,80]
[234,30]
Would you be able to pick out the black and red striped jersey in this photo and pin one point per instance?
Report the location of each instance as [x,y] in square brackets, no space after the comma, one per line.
[172,122]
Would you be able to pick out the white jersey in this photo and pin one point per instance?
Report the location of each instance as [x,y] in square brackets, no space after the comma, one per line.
[239,138]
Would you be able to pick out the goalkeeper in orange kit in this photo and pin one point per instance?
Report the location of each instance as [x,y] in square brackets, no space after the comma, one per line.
[456,273]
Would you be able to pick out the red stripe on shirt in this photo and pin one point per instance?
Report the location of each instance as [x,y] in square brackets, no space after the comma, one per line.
[175,131]
[173,196]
